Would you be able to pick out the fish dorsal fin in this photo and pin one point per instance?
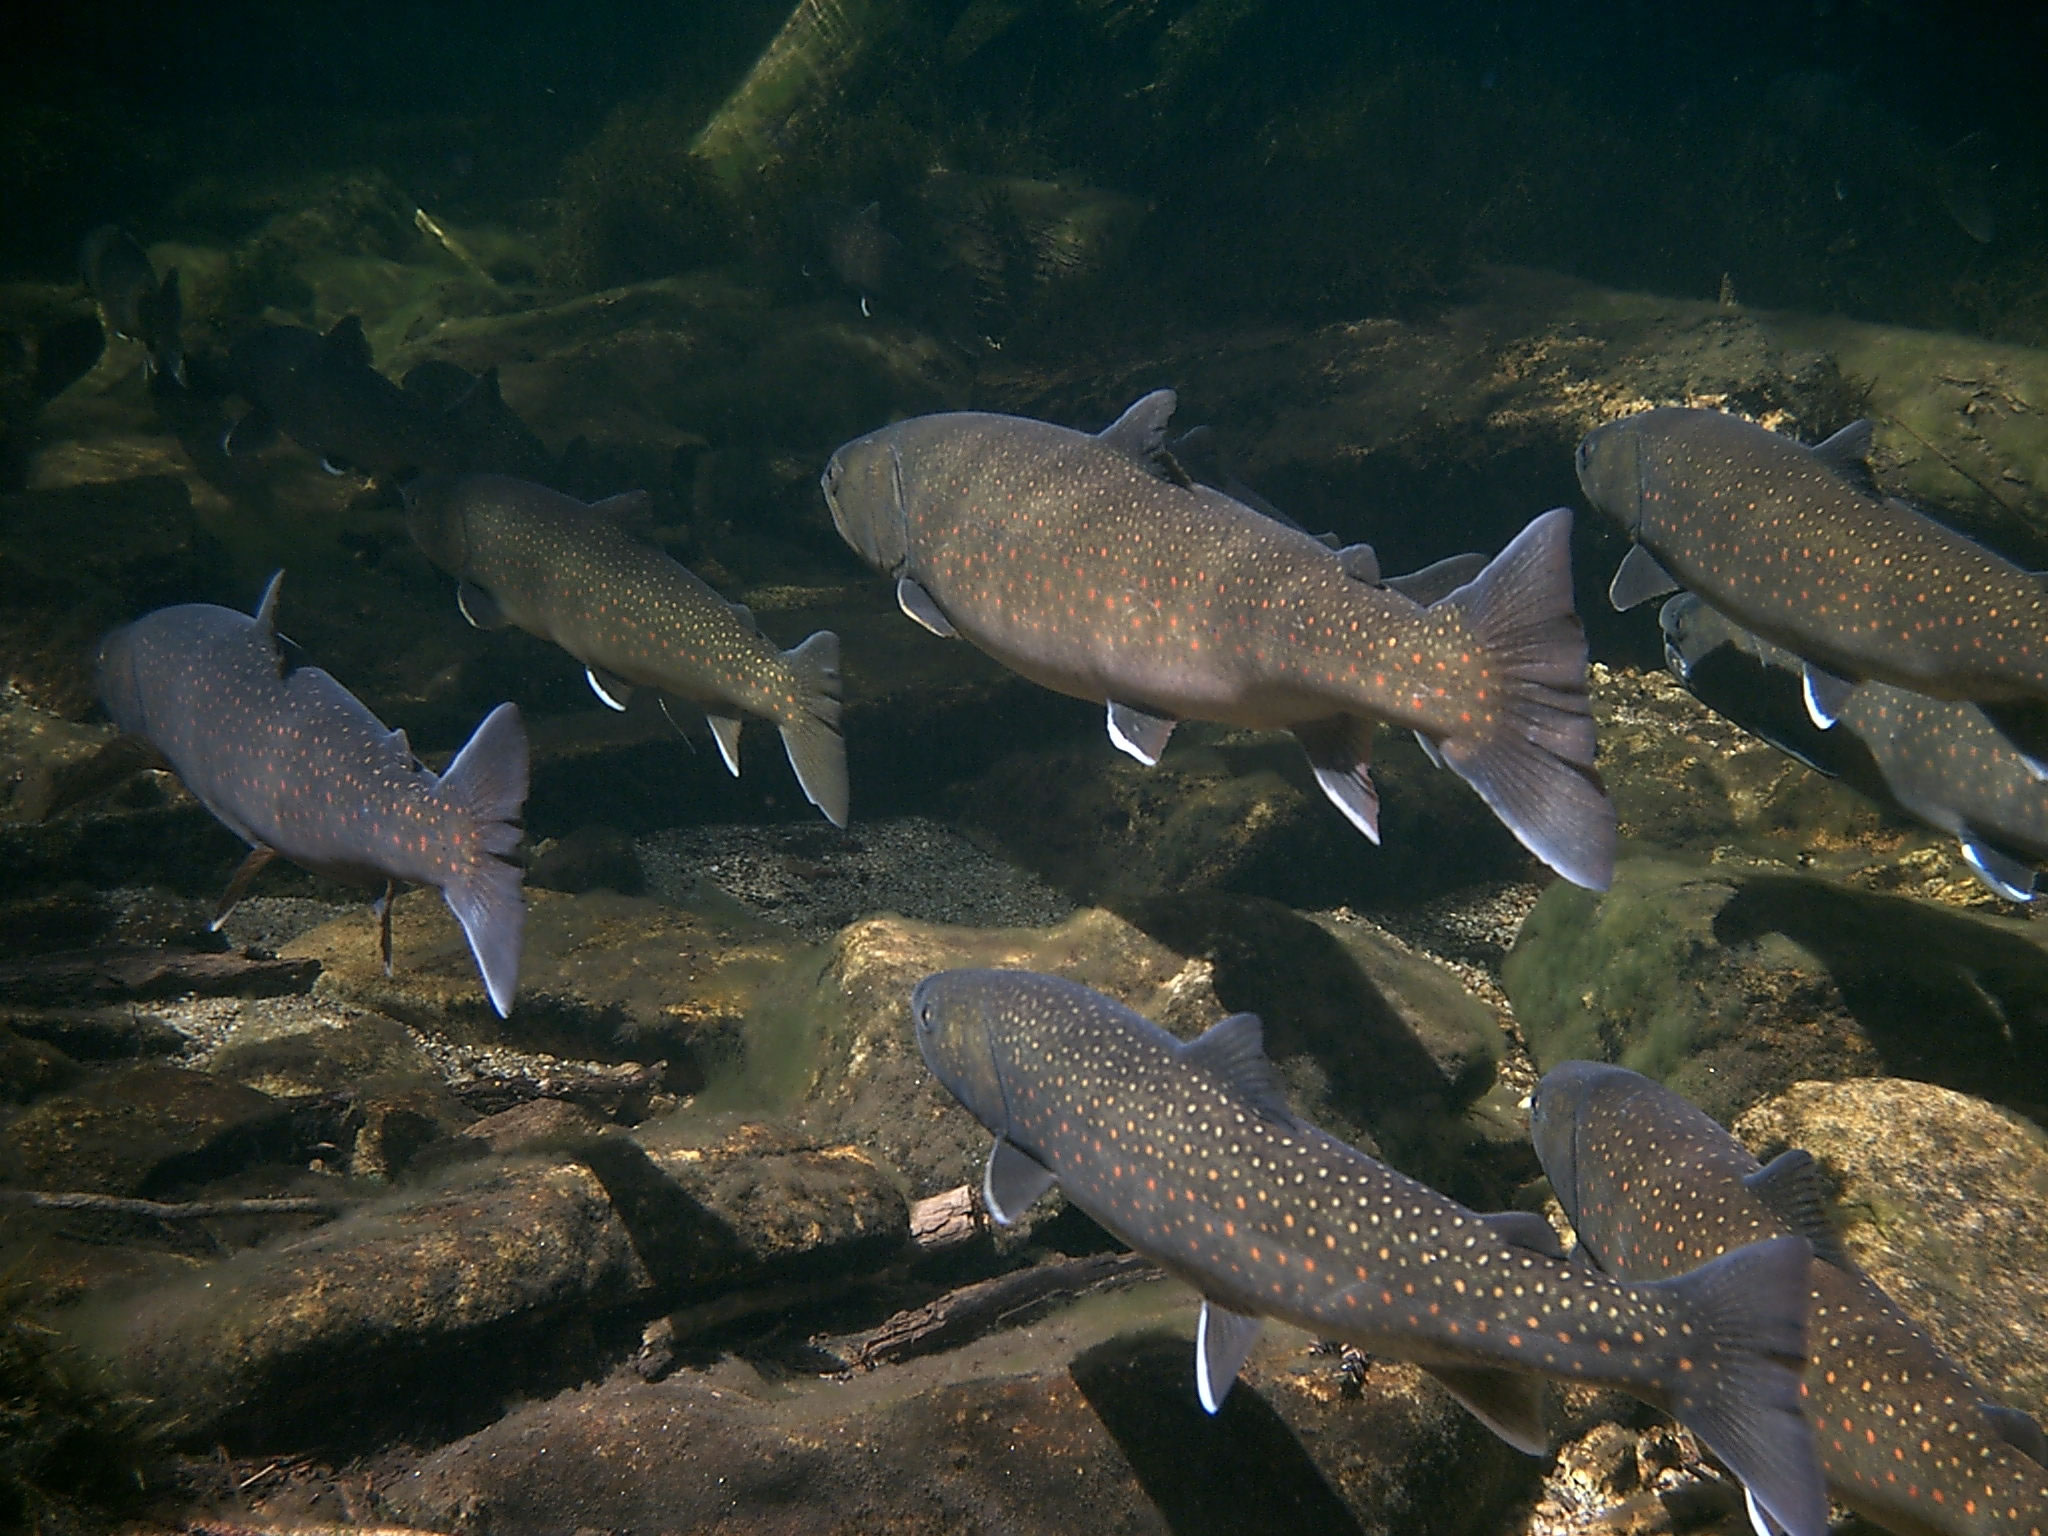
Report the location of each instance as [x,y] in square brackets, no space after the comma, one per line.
[744,614]
[1223,1339]
[1794,1190]
[2017,1430]
[1847,454]
[1826,695]
[918,606]
[1638,579]
[2007,876]
[1141,430]
[1139,732]
[1434,583]
[1013,1182]
[266,606]
[1525,1229]
[1361,562]
[612,692]
[1506,1402]
[347,342]
[626,507]
[479,607]
[1233,1051]
[725,730]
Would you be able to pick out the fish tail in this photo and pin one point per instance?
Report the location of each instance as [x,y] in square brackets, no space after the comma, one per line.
[488,781]
[1736,1383]
[816,749]
[1536,768]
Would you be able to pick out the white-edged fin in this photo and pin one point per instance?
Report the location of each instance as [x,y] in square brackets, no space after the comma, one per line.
[1340,752]
[1233,1051]
[725,730]
[252,434]
[266,605]
[817,753]
[610,691]
[1433,583]
[1013,1182]
[334,467]
[1140,734]
[1430,750]
[1794,1190]
[918,606]
[1361,562]
[1223,1339]
[1760,1522]
[2004,874]
[1825,694]
[1847,454]
[488,779]
[1638,579]
[2016,1429]
[1525,1229]
[1141,430]
[479,607]
[1506,1402]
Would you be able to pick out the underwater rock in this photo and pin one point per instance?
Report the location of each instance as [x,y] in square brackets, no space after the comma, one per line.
[29,1068]
[1944,1200]
[141,1131]
[1729,984]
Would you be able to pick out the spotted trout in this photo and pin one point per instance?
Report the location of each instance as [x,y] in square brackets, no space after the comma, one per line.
[571,573]
[1907,1436]
[1795,544]
[293,763]
[1189,1153]
[1081,563]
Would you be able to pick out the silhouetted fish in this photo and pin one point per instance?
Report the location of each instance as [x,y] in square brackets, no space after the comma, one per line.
[570,573]
[1072,561]
[1189,1153]
[132,303]
[1794,544]
[1938,761]
[293,764]
[1655,1188]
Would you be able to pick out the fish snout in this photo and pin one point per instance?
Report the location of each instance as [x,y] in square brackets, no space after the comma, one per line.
[946,1010]
[863,488]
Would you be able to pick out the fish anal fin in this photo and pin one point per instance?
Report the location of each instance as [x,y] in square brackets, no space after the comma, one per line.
[725,730]
[1141,430]
[1340,753]
[1138,732]
[1361,562]
[2017,1429]
[918,606]
[1847,454]
[1793,1188]
[1506,1402]
[1826,694]
[2006,875]
[1233,1051]
[1638,579]
[238,884]
[479,607]
[1525,1229]
[1013,1182]
[1223,1339]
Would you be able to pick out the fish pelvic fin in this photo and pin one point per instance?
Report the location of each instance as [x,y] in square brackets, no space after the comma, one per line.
[1736,1381]
[488,781]
[1535,768]
[817,751]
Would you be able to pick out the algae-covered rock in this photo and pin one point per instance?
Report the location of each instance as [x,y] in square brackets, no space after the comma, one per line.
[1730,984]
[1944,1200]
[143,1131]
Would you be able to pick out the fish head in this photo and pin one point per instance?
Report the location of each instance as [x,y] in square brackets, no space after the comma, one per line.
[434,515]
[1691,630]
[1609,462]
[120,685]
[955,1014]
[863,485]
[1573,1104]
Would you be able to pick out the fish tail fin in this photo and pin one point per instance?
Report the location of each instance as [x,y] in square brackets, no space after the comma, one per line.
[817,752]
[1536,768]
[1737,1382]
[488,780]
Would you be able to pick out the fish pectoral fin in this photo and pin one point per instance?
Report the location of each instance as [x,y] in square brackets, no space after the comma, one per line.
[612,692]
[1361,562]
[1638,579]
[725,730]
[1525,1229]
[1233,1051]
[479,607]
[1434,583]
[1141,430]
[1013,1182]
[2017,1429]
[1795,1191]
[1223,1339]
[1340,751]
[1506,1402]
[1847,455]
[1140,733]
[2006,875]
[238,884]
[1826,695]
[1760,1522]
[917,605]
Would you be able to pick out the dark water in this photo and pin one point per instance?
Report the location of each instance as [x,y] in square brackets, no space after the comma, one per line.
[1397,260]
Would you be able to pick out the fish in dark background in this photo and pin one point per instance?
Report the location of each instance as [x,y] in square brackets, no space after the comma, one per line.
[1795,544]
[132,303]
[1907,1436]
[294,764]
[860,251]
[1070,559]
[1937,760]
[571,574]
[1189,1153]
